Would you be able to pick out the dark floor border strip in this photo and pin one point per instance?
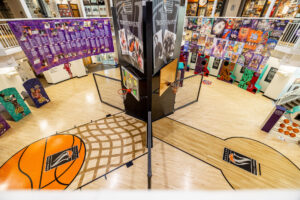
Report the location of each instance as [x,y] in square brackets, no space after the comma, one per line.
[195,158]
[111,171]
[41,176]
[268,97]
[188,104]
[259,169]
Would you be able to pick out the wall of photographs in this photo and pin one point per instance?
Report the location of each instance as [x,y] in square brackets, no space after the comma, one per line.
[49,43]
[247,42]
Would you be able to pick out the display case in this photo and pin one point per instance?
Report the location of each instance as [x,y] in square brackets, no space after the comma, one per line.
[219,8]
[95,8]
[286,9]
[192,8]
[254,8]
[75,10]
[64,10]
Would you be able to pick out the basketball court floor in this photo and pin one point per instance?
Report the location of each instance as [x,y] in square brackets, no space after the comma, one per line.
[188,151]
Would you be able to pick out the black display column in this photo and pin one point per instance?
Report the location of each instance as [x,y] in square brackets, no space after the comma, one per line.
[137,23]
[148,37]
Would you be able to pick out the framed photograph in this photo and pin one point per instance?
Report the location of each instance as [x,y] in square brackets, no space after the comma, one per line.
[271,74]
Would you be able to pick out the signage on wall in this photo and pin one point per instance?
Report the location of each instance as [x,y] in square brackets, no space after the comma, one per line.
[49,43]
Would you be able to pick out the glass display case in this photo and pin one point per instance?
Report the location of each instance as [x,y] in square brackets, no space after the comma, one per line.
[219,8]
[254,8]
[204,8]
[192,8]
[64,10]
[286,9]
[95,8]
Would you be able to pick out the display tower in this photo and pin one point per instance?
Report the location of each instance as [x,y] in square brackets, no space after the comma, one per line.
[148,36]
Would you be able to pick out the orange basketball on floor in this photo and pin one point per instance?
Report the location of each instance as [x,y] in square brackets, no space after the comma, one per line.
[280,130]
[286,121]
[286,132]
[296,130]
[50,163]
[289,128]
[282,125]
[293,135]
[295,125]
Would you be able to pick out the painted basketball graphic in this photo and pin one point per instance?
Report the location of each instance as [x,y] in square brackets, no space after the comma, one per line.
[50,163]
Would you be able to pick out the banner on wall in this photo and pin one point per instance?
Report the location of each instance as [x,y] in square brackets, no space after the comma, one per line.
[130,30]
[165,19]
[49,43]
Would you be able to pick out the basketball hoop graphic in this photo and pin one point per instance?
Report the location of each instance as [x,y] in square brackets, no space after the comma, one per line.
[124,92]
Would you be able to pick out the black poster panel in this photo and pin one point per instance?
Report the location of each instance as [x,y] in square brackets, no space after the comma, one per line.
[271,74]
[165,22]
[129,16]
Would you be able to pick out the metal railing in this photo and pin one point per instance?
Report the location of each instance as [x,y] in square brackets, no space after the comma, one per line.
[7,38]
[290,37]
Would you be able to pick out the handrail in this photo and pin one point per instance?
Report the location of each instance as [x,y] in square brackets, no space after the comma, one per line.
[7,38]
[30,19]
[271,18]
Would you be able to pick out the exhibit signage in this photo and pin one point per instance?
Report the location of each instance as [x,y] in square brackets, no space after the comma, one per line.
[49,43]
[165,21]
[130,30]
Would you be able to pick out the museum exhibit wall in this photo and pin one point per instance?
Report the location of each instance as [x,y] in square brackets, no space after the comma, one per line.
[247,43]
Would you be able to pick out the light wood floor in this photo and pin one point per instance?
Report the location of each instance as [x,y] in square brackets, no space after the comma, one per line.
[276,170]
[223,110]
